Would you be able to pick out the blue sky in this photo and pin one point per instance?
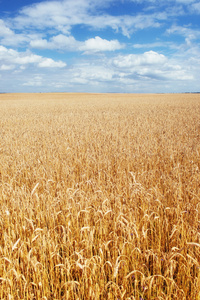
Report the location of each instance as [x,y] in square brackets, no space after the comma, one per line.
[133,46]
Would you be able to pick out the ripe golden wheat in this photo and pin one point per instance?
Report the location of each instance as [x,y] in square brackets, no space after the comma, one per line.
[99,196]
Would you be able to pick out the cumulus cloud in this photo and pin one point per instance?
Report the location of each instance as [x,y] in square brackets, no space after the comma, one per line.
[40,44]
[125,70]
[10,57]
[60,42]
[98,44]
[50,63]
[147,58]
[150,65]
[85,73]
[68,43]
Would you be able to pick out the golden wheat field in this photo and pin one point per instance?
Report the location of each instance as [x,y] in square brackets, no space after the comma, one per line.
[100,196]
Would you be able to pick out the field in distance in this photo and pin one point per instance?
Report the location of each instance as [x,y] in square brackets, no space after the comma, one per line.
[100,196]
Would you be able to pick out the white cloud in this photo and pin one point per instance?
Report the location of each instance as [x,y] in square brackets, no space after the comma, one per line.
[35,81]
[91,73]
[8,36]
[40,44]
[68,43]
[182,30]
[6,67]
[98,44]
[147,58]
[102,75]
[128,69]
[150,65]
[64,42]
[59,42]
[62,15]
[190,35]
[50,63]
[58,17]
[11,57]
[25,58]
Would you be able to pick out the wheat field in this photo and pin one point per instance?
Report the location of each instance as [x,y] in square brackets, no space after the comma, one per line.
[100,196]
